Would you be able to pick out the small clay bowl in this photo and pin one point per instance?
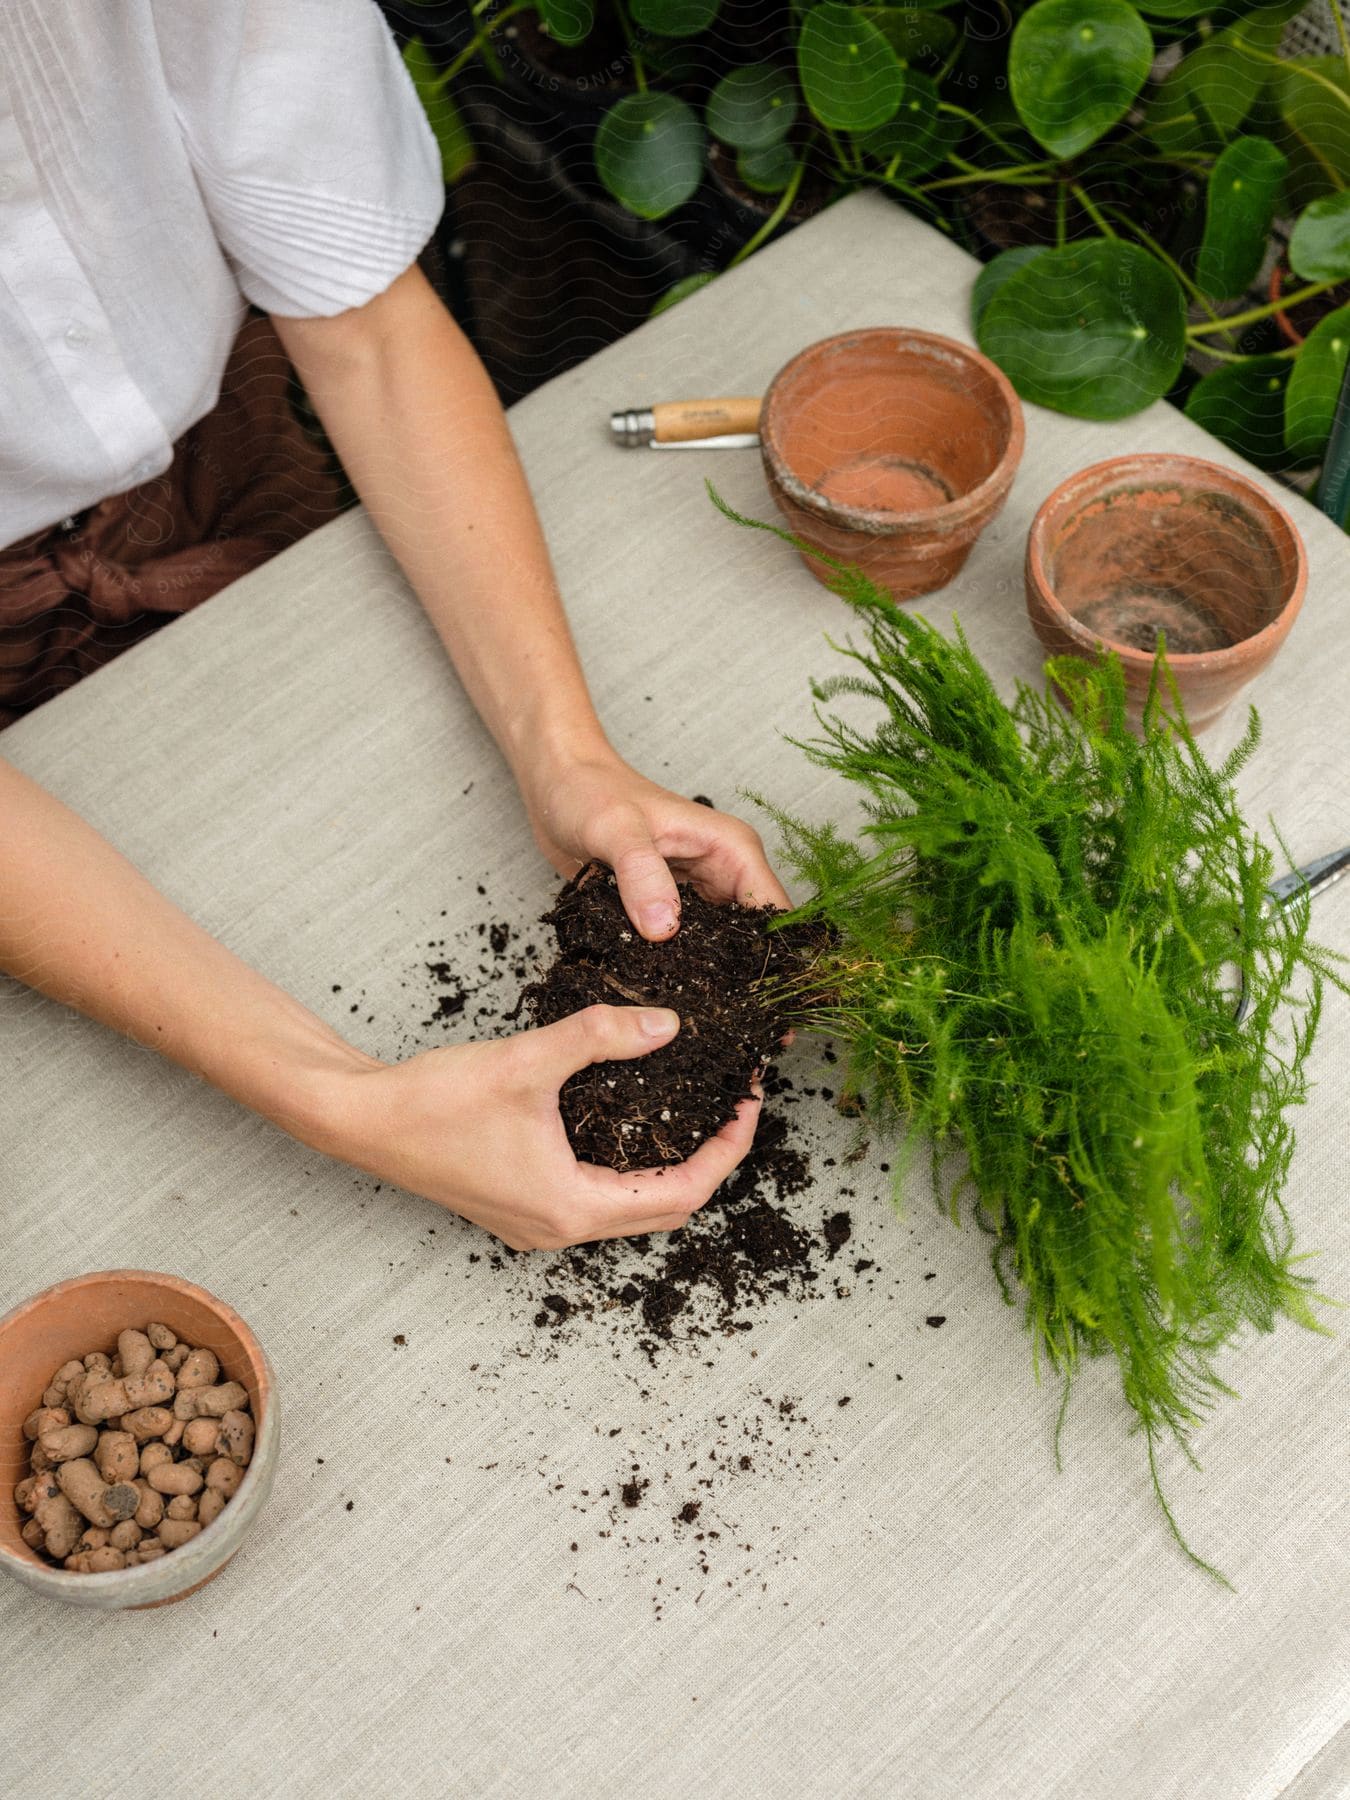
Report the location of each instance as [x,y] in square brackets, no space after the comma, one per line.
[1146,544]
[85,1314]
[892,449]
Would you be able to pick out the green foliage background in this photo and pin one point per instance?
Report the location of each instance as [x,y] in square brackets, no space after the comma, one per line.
[1155,143]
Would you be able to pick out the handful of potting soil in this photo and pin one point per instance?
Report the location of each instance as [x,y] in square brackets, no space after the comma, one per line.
[724,972]
[133,1454]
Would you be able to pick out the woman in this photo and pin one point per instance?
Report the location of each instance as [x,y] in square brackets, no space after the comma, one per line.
[162,164]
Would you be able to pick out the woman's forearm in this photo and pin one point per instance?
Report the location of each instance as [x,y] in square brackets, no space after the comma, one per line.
[422,435]
[81,925]
[472,1126]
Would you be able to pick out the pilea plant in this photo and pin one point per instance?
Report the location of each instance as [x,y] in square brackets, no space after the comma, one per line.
[1139,152]
[1036,940]
[1102,326]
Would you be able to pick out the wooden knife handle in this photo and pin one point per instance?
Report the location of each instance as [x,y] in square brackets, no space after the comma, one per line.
[676,421]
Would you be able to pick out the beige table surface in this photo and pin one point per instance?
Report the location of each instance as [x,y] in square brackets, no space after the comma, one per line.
[926,1609]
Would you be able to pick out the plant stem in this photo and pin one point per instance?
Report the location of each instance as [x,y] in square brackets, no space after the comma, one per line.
[1012,174]
[1103,225]
[960,112]
[1294,68]
[774,219]
[917,195]
[1061,215]
[480,41]
[1340,31]
[1254,314]
[1241,356]
[849,160]
[950,61]
[1025,176]
[626,26]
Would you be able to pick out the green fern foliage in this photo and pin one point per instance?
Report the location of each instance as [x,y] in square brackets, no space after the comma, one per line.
[1037,942]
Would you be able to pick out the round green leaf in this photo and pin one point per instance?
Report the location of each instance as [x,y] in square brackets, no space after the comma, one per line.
[1243,405]
[1244,187]
[1097,329]
[851,77]
[1176,120]
[753,108]
[914,34]
[1319,250]
[1224,81]
[1313,95]
[690,284]
[919,136]
[567,21]
[1223,77]
[993,275]
[649,153]
[673,18]
[1310,401]
[767,171]
[1075,66]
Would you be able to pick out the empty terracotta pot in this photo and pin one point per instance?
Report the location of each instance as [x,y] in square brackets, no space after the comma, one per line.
[892,449]
[85,1314]
[1144,545]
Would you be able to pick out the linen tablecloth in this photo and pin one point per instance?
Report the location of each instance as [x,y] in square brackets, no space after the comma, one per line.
[906,1599]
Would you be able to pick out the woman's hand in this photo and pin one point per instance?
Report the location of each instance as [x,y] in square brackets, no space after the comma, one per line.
[600,808]
[476,1128]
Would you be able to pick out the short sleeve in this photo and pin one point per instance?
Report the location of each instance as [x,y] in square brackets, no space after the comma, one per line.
[314,158]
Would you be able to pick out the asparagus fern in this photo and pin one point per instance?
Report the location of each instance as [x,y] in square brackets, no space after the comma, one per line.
[1036,945]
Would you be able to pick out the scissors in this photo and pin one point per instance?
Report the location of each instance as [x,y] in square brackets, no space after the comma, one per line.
[1310,879]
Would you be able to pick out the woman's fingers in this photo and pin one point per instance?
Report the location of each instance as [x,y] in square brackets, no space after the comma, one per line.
[596,1034]
[728,863]
[623,839]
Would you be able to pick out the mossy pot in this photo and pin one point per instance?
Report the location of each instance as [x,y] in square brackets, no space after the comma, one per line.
[84,1314]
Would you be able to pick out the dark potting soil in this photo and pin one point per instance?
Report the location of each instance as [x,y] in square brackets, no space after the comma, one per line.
[724,972]
[740,1252]
[745,1250]
[678,1466]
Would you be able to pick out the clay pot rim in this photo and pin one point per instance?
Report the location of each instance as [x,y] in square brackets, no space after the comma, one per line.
[127,1581]
[1149,468]
[882,522]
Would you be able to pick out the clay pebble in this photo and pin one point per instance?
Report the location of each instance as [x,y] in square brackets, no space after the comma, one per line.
[132,1453]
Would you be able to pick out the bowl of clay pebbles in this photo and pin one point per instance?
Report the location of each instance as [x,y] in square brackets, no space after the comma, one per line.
[138,1438]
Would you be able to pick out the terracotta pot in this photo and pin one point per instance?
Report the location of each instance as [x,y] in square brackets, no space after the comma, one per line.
[86,1314]
[892,449]
[1143,544]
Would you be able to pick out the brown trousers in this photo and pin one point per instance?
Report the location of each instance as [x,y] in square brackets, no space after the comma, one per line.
[245,482]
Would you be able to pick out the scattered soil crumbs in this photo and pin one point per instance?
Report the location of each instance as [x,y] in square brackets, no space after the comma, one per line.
[838,1230]
[681,1460]
[740,1252]
[720,972]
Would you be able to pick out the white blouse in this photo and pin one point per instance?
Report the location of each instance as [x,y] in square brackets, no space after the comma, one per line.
[161,161]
